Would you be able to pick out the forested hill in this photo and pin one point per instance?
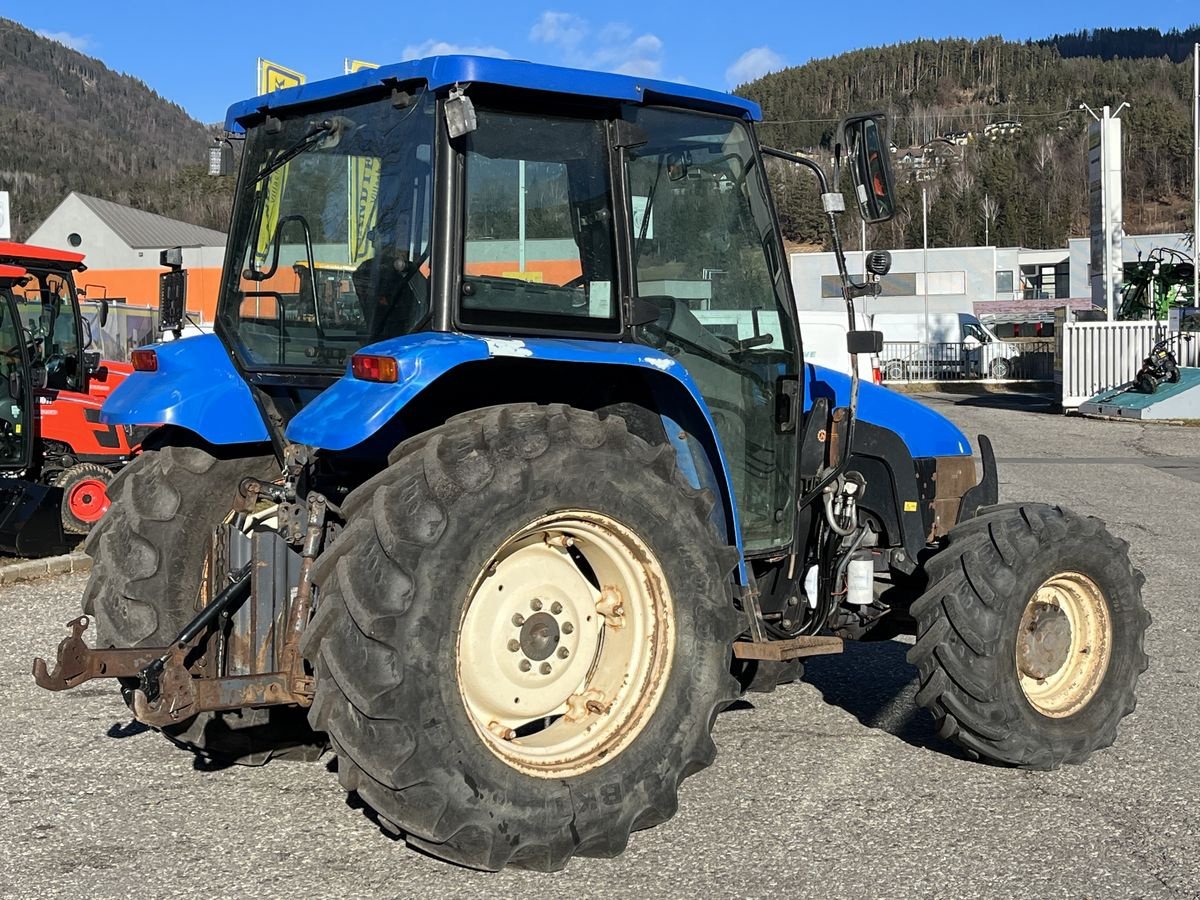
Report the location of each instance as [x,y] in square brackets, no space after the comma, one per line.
[1025,176]
[67,123]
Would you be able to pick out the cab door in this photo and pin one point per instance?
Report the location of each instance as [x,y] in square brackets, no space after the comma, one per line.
[704,250]
[16,389]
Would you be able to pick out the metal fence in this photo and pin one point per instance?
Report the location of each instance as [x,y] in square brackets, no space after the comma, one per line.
[958,361]
[1099,356]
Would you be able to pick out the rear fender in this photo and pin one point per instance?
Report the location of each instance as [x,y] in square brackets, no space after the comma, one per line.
[195,387]
[352,411]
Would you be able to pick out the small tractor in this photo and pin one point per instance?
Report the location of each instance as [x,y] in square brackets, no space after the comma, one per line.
[73,450]
[490,512]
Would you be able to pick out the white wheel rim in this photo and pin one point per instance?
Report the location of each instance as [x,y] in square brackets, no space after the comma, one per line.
[1064,644]
[558,676]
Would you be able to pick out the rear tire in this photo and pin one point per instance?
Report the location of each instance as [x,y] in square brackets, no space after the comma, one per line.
[1147,384]
[1030,636]
[85,496]
[401,658]
[148,559]
[1000,368]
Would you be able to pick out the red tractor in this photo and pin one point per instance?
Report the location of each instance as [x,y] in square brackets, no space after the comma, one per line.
[73,449]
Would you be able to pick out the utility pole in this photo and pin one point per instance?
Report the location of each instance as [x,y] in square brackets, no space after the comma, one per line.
[925,260]
[1104,185]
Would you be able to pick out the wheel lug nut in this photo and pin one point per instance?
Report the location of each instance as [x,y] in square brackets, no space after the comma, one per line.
[545,668]
[514,645]
[535,604]
[518,620]
[567,628]
[563,652]
[524,665]
[556,607]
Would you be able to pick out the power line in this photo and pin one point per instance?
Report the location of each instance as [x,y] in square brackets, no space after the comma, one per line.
[947,115]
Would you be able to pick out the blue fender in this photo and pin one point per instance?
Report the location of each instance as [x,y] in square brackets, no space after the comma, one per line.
[352,410]
[923,431]
[196,387]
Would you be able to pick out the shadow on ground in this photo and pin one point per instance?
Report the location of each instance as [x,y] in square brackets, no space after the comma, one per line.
[875,683]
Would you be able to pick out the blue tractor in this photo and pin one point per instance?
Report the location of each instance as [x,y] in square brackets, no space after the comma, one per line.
[503,473]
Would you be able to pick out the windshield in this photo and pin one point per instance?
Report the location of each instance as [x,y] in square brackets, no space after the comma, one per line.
[330,251]
[975,330]
[47,312]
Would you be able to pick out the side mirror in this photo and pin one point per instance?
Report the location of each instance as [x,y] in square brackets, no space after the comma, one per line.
[865,141]
[220,158]
[38,376]
[103,317]
[171,258]
[864,342]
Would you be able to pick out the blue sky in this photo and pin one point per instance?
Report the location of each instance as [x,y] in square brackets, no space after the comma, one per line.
[202,55]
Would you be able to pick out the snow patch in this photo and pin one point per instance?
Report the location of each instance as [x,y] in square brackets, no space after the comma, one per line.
[507,347]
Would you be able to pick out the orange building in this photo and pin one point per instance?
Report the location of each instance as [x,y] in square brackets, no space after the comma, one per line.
[121,246]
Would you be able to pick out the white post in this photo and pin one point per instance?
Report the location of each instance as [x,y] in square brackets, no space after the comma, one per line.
[521,216]
[925,260]
[1196,176]
[1108,260]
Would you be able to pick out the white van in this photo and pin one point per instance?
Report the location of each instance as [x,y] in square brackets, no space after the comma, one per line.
[823,337]
[822,334]
[957,344]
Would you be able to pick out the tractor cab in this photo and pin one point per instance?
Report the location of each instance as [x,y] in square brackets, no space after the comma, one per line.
[29,511]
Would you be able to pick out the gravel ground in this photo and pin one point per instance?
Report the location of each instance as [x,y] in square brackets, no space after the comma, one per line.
[834,787]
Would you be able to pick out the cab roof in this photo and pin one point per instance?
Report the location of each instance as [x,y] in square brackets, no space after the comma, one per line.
[440,72]
[28,254]
[11,273]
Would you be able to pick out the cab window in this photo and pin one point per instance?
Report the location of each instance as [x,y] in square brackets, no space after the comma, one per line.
[51,329]
[538,245]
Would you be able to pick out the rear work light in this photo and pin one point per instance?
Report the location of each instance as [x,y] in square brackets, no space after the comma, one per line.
[144,360]
[374,368]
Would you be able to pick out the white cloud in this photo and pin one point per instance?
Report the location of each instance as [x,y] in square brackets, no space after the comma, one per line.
[752,64]
[74,41]
[613,47]
[446,48]
[564,29]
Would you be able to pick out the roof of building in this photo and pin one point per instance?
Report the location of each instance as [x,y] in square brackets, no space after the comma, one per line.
[12,251]
[444,71]
[142,230]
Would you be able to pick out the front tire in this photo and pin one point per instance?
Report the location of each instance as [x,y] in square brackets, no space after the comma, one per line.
[85,496]
[1000,368]
[489,547]
[1030,636]
[148,561]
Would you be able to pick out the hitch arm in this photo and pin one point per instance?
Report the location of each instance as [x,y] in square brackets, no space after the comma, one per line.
[76,662]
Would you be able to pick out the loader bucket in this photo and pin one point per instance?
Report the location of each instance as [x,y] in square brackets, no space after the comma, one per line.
[31,519]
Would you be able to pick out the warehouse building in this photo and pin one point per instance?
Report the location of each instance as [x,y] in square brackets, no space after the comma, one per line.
[121,247]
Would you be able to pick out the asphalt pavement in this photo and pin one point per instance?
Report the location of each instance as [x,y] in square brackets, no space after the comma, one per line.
[833,787]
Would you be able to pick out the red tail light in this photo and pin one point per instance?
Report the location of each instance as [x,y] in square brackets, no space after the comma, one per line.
[877,374]
[374,368]
[144,360]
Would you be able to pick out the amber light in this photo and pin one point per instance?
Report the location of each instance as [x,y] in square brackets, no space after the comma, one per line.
[144,360]
[374,368]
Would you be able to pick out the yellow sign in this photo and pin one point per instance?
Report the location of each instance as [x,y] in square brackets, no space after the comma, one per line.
[363,172]
[272,77]
[363,190]
[357,65]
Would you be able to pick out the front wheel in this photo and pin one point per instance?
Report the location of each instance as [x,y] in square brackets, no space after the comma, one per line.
[1030,636]
[523,638]
[85,496]
[1000,368]
[1147,383]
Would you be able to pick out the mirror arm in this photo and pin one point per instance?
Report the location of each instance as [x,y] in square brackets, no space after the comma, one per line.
[849,289]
